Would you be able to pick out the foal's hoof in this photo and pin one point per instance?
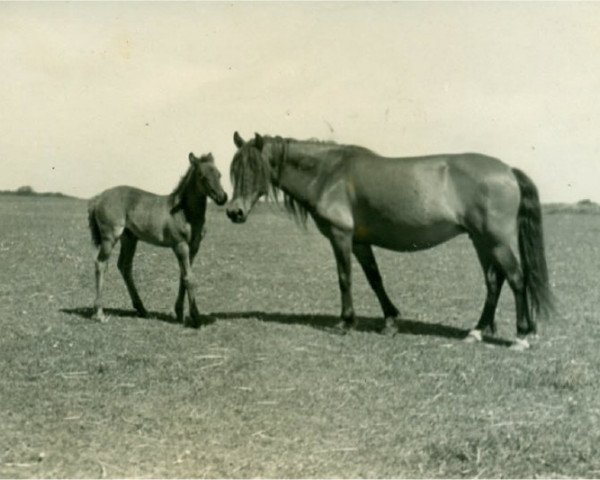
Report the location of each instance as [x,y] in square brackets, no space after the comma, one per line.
[473,336]
[520,345]
[390,328]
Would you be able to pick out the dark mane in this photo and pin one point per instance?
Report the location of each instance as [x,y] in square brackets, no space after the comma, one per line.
[295,208]
[176,195]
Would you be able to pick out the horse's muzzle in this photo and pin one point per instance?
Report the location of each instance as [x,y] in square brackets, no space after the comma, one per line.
[236,214]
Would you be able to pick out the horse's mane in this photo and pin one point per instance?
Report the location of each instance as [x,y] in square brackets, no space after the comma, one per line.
[295,208]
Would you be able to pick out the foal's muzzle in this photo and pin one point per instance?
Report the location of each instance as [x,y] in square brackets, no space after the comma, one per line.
[220,199]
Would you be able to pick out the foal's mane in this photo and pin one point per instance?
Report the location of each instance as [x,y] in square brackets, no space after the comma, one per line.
[176,196]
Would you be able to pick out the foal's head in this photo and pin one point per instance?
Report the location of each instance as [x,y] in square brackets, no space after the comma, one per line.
[207,178]
[250,175]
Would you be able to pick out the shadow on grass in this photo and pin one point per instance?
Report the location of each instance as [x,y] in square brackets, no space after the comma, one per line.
[365,324]
[87,312]
[328,323]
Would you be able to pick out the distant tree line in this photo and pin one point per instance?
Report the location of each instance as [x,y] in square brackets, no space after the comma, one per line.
[28,191]
[585,206]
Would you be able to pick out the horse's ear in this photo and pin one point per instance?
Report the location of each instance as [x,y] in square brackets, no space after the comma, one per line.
[258,141]
[192,158]
[238,140]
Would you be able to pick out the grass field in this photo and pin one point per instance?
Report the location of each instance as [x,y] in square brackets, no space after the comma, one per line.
[267,389]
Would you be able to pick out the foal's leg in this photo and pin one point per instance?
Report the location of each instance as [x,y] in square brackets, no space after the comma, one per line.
[494,279]
[341,241]
[194,247]
[179,313]
[364,255]
[125,265]
[182,251]
[101,265]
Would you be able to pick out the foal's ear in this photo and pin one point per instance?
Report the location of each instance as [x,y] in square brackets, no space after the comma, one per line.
[193,159]
[258,141]
[208,158]
[238,140]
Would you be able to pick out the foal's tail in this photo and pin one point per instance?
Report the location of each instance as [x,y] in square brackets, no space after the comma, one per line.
[531,248]
[94,230]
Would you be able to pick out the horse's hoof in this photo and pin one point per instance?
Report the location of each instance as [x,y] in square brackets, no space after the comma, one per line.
[473,336]
[192,323]
[100,318]
[389,331]
[342,328]
[520,345]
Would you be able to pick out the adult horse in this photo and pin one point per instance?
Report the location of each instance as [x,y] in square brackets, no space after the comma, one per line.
[359,199]
[176,220]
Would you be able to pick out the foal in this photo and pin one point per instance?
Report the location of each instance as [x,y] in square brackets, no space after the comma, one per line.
[176,220]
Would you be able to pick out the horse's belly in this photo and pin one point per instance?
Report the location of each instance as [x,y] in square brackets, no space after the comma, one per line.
[405,236]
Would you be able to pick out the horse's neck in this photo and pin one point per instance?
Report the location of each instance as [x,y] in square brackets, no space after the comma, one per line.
[299,167]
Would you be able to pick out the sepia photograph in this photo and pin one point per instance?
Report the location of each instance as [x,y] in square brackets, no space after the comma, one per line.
[299,239]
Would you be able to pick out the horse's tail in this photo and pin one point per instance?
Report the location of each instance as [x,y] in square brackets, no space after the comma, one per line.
[94,229]
[531,248]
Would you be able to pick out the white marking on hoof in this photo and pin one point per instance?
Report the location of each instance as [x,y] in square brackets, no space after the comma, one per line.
[520,344]
[391,327]
[99,316]
[473,336]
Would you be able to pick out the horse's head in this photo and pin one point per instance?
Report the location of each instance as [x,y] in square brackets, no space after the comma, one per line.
[250,176]
[208,177]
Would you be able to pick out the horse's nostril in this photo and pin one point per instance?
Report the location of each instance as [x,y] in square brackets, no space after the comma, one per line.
[234,213]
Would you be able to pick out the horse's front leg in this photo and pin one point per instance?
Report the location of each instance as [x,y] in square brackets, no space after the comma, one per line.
[341,241]
[187,280]
[364,255]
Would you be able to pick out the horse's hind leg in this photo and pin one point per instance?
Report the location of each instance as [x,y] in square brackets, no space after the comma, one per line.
[494,279]
[101,265]
[125,265]
[506,260]
[364,255]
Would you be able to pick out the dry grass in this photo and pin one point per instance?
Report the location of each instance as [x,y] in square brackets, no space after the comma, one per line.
[267,390]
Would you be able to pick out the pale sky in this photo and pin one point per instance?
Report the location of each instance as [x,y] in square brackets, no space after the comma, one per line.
[94,95]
